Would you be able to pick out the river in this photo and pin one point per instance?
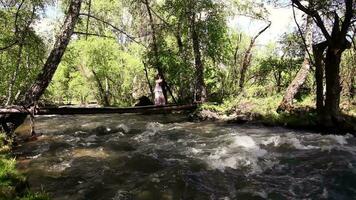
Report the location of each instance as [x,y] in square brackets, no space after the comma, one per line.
[124,157]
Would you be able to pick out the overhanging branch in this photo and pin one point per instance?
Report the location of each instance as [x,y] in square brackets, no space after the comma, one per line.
[315,15]
[92,34]
[301,35]
[114,27]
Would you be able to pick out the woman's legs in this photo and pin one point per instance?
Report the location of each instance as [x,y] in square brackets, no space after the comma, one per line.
[162,101]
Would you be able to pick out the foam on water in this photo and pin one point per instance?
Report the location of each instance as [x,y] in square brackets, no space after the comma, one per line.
[288,140]
[151,129]
[243,141]
[154,126]
[340,139]
[274,140]
[124,128]
[242,152]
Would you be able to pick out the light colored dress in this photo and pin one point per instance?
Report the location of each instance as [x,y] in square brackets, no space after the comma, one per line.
[159,97]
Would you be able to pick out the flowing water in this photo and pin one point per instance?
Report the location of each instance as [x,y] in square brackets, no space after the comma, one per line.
[124,157]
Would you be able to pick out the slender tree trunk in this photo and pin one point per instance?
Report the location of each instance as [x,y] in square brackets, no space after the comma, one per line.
[279,80]
[245,64]
[155,50]
[14,76]
[234,71]
[183,94]
[104,100]
[180,44]
[34,93]
[299,80]
[200,88]
[107,90]
[318,51]
[148,81]
[247,57]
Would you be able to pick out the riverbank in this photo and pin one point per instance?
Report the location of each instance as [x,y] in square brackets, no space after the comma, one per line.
[14,185]
[263,111]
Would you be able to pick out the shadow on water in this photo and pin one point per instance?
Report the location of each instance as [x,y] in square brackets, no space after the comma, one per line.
[167,157]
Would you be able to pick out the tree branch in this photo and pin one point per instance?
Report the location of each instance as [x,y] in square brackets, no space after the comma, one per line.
[17,16]
[92,34]
[16,40]
[262,30]
[348,17]
[10,45]
[301,35]
[114,27]
[315,15]
[87,28]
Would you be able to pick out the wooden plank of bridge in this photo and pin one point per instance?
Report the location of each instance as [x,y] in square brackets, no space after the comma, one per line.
[99,110]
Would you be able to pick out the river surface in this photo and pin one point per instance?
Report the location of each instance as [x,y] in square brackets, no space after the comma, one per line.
[124,157]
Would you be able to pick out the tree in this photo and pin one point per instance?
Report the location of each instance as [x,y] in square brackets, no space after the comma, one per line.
[34,93]
[200,38]
[200,89]
[336,43]
[248,55]
[20,48]
[302,74]
[155,49]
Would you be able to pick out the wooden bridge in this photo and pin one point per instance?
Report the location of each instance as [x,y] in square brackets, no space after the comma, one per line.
[68,110]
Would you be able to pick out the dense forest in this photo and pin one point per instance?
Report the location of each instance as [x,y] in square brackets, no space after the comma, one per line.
[117,47]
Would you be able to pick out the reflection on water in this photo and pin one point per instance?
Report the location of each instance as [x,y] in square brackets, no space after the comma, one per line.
[166,157]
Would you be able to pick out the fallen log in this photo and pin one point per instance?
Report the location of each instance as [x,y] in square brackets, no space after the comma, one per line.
[97,110]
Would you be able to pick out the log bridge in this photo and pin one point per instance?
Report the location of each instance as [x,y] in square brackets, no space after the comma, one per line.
[67,110]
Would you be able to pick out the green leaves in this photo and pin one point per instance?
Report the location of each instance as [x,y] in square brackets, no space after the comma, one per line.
[91,64]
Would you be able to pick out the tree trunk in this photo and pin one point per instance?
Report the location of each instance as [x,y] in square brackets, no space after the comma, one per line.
[318,51]
[34,93]
[352,89]
[245,64]
[50,67]
[279,80]
[336,45]
[155,51]
[333,88]
[200,89]
[247,58]
[148,81]
[299,80]
[104,100]
[14,76]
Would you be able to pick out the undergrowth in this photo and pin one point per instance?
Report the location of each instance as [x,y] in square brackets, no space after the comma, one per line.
[263,109]
[13,184]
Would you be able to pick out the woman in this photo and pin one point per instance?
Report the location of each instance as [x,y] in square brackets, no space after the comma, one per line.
[159,97]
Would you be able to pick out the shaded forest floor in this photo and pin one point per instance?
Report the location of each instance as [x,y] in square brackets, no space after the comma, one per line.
[262,110]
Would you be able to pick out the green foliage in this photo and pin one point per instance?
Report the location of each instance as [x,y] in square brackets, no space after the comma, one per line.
[90,66]
[23,50]
[13,185]
[264,110]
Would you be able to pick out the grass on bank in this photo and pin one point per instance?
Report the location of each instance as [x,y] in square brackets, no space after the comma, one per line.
[13,185]
[263,109]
